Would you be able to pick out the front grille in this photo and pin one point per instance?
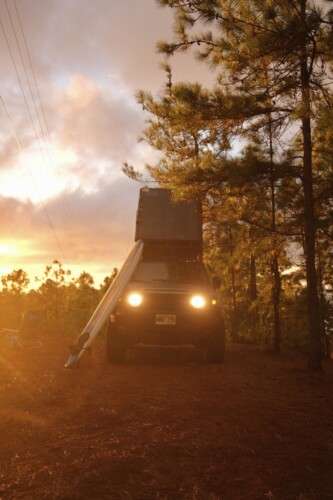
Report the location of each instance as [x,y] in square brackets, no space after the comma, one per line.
[166,301]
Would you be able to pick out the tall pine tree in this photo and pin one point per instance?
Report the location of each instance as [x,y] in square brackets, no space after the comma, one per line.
[291,40]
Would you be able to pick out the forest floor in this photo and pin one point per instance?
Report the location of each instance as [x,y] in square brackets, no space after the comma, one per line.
[258,427]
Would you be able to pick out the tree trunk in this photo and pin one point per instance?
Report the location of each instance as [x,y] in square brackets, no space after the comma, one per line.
[253,295]
[234,321]
[276,278]
[315,354]
[276,294]
[322,301]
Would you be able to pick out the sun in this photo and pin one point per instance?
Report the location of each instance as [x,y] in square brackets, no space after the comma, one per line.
[7,249]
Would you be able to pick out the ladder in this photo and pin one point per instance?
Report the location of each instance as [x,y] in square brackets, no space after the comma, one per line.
[106,306]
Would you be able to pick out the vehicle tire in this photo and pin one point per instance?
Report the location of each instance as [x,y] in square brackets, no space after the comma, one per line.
[116,346]
[216,346]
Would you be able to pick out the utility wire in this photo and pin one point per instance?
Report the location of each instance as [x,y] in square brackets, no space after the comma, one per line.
[31,65]
[19,79]
[36,134]
[21,150]
[24,67]
[27,105]
[40,112]
[40,134]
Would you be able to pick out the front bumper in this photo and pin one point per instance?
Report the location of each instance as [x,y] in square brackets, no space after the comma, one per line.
[140,325]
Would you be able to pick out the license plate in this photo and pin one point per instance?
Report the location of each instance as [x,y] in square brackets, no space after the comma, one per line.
[165,319]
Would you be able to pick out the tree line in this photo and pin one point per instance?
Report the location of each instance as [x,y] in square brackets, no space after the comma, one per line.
[61,303]
[256,148]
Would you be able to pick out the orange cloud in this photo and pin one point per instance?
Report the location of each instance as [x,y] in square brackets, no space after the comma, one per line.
[94,231]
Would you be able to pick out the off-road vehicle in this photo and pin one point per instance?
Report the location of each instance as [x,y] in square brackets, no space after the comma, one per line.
[170,299]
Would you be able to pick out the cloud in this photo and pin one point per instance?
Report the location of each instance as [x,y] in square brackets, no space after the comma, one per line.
[98,226]
[8,152]
[94,130]
[96,121]
[89,59]
[103,38]
[94,230]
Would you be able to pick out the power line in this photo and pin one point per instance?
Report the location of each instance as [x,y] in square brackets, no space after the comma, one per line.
[19,79]
[38,137]
[18,45]
[33,72]
[39,108]
[21,149]
[19,144]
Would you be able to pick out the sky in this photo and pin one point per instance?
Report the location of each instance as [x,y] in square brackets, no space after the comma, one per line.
[62,192]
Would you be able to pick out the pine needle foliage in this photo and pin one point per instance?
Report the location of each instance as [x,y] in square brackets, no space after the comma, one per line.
[273,60]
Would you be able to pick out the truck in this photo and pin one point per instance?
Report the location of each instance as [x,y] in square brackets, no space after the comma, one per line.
[162,295]
[170,300]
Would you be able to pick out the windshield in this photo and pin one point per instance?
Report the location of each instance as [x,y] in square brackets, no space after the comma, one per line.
[171,272]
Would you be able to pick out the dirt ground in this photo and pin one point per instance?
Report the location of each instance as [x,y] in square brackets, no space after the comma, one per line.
[255,428]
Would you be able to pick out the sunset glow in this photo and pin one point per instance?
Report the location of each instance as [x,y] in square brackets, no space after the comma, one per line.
[166,249]
[42,173]
[61,184]
[7,249]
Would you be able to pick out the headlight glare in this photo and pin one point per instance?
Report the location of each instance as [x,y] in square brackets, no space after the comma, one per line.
[198,301]
[134,299]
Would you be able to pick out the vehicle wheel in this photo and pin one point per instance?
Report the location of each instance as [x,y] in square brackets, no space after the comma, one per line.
[216,346]
[115,345]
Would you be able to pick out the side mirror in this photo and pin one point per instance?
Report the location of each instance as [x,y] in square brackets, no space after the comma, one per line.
[216,282]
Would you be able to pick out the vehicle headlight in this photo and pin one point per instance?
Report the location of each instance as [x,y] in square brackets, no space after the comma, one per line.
[198,301]
[134,299]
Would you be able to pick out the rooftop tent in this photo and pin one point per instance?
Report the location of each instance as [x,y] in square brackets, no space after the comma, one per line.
[160,218]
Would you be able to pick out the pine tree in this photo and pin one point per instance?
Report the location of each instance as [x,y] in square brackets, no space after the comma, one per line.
[195,163]
[290,38]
